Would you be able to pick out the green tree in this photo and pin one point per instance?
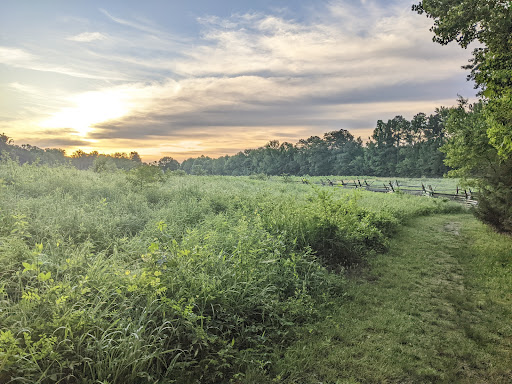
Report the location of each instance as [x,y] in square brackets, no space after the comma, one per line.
[477,161]
[4,139]
[134,156]
[103,163]
[490,23]
[489,124]
[145,174]
[82,160]
[167,163]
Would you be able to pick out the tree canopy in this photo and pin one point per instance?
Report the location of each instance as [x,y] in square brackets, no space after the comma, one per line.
[480,143]
[488,22]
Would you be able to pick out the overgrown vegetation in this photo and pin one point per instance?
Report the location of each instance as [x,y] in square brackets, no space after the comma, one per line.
[187,279]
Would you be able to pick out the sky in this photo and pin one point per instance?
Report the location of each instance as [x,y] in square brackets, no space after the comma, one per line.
[202,77]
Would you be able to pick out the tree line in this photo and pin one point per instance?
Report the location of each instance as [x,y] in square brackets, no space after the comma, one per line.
[398,147]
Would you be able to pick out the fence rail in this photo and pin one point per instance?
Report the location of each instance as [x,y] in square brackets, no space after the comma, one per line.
[464,196]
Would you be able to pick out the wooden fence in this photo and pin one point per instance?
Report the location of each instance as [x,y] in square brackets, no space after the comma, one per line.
[464,196]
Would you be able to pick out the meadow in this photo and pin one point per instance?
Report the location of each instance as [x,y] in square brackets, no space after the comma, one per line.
[110,278]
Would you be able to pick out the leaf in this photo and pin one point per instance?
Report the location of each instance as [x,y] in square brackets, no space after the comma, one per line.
[44,276]
[29,267]
[153,247]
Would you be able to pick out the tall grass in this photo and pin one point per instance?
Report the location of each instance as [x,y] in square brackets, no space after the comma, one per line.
[191,279]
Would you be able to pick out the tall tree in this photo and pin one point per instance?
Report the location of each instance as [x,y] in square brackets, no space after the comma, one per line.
[490,23]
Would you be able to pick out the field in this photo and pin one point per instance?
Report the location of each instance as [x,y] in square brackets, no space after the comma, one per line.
[110,278]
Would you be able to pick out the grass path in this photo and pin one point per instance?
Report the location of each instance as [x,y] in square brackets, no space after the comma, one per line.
[437,308]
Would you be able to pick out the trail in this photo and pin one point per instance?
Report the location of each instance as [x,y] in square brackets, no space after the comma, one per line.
[433,309]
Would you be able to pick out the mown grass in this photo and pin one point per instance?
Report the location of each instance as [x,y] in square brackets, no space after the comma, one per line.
[435,309]
[191,279]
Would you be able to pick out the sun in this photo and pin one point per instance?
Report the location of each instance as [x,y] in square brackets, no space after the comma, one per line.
[88,109]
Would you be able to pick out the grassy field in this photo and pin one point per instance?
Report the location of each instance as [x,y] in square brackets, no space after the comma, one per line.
[109,278]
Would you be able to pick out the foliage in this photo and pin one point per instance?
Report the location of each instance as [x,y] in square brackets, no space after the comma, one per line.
[397,148]
[167,163]
[190,279]
[482,142]
[178,172]
[145,174]
[103,164]
[258,176]
[478,162]
[489,23]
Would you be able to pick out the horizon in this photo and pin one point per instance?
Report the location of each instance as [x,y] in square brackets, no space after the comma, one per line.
[185,80]
[127,152]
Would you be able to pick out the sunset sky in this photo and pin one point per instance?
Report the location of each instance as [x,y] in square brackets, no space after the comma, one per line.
[185,78]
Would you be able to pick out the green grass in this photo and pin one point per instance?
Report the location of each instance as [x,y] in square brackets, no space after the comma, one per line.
[435,309]
[189,279]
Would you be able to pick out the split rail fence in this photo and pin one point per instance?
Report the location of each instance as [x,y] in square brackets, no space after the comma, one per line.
[465,196]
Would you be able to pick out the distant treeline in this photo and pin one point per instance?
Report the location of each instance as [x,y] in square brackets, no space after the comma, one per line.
[398,147]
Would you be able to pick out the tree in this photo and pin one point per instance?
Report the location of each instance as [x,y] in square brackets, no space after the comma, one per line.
[134,156]
[5,139]
[476,161]
[477,129]
[103,163]
[490,23]
[82,160]
[314,155]
[145,174]
[167,163]
[338,139]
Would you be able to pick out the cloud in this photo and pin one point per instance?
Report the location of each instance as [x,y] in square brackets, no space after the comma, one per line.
[59,142]
[87,37]
[12,56]
[19,58]
[146,27]
[254,77]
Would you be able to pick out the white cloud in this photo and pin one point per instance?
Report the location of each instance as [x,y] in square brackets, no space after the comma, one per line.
[144,27]
[259,73]
[257,60]
[11,56]
[87,37]
[20,58]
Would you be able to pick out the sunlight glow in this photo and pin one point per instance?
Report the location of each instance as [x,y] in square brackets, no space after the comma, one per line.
[91,108]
